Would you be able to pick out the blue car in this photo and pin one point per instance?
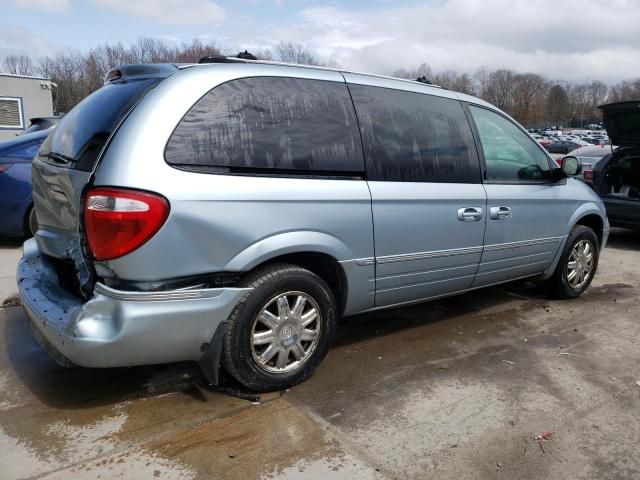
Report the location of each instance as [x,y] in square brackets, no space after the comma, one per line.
[17,216]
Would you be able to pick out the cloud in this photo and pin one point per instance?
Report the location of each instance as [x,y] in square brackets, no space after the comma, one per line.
[46,5]
[572,39]
[20,41]
[170,12]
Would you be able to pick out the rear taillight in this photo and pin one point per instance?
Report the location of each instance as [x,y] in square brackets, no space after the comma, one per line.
[118,221]
[5,166]
[587,175]
[560,161]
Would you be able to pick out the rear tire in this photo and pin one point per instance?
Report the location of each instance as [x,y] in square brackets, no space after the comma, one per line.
[281,330]
[577,265]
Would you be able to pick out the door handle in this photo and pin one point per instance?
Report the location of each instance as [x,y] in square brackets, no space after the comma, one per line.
[500,213]
[469,214]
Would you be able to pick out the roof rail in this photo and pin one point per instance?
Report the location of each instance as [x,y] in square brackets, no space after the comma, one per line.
[247,57]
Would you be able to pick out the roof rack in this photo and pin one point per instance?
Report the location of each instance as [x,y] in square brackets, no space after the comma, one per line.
[240,58]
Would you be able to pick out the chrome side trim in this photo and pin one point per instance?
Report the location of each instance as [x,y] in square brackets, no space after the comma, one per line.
[423,272]
[491,263]
[424,255]
[102,289]
[444,295]
[407,257]
[419,284]
[522,243]
[361,262]
[515,267]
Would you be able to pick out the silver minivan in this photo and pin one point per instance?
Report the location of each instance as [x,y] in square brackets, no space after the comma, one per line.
[230,212]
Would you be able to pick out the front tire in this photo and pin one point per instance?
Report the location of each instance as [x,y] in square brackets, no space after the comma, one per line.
[281,330]
[577,265]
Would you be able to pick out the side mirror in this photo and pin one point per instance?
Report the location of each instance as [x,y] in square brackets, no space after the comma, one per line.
[571,166]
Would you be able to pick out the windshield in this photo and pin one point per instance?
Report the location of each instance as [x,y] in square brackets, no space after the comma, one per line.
[82,133]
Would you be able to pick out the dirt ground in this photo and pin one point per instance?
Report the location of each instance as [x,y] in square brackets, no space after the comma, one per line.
[453,389]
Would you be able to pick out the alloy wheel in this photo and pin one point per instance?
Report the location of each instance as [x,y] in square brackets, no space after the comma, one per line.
[285,332]
[580,265]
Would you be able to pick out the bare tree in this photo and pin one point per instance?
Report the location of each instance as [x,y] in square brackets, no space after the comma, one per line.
[625,90]
[596,95]
[525,88]
[421,71]
[18,65]
[579,102]
[499,88]
[558,109]
[528,97]
[289,52]
[451,80]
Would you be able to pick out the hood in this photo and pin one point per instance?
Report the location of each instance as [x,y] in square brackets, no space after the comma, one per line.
[622,121]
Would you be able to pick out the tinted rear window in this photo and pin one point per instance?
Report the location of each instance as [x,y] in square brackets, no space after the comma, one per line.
[415,137]
[266,123]
[82,133]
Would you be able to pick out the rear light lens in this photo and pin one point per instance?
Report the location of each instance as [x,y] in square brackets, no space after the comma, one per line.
[560,161]
[5,166]
[118,221]
[588,175]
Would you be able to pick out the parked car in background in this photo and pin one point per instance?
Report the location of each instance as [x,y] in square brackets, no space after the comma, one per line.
[171,230]
[17,216]
[552,133]
[562,146]
[588,157]
[40,123]
[616,177]
[544,141]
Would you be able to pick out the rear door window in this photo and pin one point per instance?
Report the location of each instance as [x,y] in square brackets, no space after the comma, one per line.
[81,134]
[415,137]
[264,124]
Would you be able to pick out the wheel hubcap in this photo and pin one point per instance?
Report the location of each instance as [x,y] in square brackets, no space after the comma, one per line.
[285,332]
[580,265]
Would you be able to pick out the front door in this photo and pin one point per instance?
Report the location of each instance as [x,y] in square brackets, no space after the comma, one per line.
[428,203]
[526,214]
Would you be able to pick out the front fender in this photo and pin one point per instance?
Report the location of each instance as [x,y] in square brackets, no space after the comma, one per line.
[584,209]
[587,208]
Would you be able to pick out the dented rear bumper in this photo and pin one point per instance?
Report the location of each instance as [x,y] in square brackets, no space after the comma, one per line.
[116,328]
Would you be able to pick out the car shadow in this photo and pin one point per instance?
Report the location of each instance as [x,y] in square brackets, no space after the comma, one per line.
[624,239]
[388,321]
[6,242]
[76,388]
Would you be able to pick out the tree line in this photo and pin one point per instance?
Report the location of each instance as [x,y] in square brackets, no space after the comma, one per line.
[530,98]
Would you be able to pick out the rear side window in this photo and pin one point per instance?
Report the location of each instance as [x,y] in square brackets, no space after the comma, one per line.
[415,137]
[267,123]
[82,133]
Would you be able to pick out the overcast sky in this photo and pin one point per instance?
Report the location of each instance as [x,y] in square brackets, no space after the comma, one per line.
[562,39]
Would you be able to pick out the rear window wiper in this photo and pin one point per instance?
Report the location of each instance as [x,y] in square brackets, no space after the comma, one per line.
[59,158]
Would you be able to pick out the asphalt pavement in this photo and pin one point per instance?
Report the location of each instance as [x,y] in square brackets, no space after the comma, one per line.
[453,389]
